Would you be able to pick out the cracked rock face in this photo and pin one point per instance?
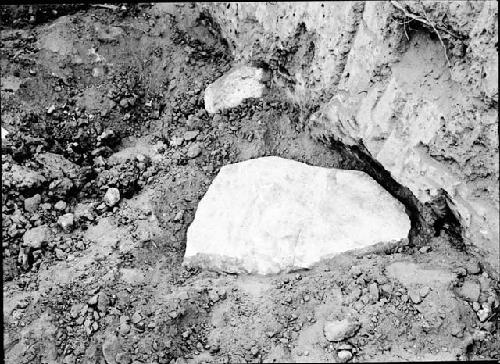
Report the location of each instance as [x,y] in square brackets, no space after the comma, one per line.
[272,214]
[230,90]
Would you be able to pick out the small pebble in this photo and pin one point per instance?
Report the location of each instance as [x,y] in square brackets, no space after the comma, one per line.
[483,314]
[344,355]
[112,197]
[93,300]
[476,306]
[194,150]
[424,249]
[60,205]
[66,222]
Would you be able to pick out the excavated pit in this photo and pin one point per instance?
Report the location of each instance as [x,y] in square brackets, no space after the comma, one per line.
[124,109]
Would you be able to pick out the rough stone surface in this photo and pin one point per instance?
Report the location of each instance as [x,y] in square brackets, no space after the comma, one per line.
[270,214]
[34,237]
[339,330]
[31,204]
[25,178]
[110,348]
[112,197]
[194,150]
[344,356]
[230,90]
[427,113]
[56,166]
[60,205]
[191,135]
[4,133]
[470,291]
[66,222]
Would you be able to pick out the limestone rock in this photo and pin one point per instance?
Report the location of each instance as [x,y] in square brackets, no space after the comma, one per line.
[176,141]
[230,90]
[344,356]
[194,150]
[339,330]
[271,214]
[470,291]
[110,348]
[61,187]
[60,205]
[483,314]
[66,222]
[25,178]
[191,135]
[4,133]
[112,197]
[31,204]
[56,166]
[36,236]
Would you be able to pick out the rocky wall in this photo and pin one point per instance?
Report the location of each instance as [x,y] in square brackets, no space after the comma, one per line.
[414,82]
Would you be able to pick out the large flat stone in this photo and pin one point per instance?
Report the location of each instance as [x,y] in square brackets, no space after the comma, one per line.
[271,214]
[230,90]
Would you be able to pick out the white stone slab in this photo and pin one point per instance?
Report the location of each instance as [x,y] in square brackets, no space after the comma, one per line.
[272,214]
[230,90]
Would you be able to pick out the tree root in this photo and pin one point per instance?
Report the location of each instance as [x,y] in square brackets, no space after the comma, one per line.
[427,22]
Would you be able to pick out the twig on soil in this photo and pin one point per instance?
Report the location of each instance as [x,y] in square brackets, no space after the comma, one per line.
[423,21]
[408,14]
[403,23]
[439,36]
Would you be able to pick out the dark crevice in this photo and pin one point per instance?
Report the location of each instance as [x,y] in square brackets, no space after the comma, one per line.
[426,220]
[445,218]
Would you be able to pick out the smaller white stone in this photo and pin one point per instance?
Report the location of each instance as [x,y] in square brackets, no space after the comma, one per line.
[176,141]
[66,221]
[4,133]
[344,355]
[483,314]
[340,329]
[194,150]
[230,90]
[112,197]
[60,205]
